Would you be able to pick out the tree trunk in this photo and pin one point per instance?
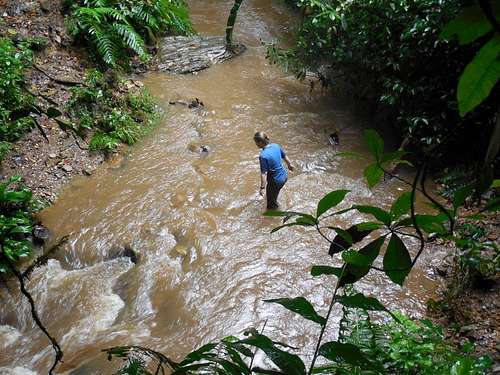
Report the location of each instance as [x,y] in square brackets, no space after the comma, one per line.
[230,24]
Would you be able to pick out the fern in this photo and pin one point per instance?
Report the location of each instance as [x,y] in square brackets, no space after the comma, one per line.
[115,28]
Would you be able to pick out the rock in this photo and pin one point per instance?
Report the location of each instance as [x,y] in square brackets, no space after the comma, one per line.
[40,234]
[125,251]
[88,171]
[52,155]
[67,168]
[45,5]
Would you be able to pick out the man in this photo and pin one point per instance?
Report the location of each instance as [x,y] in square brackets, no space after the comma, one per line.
[272,174]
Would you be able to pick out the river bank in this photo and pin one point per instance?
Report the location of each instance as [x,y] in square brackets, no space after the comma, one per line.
[189,217]
[49,157]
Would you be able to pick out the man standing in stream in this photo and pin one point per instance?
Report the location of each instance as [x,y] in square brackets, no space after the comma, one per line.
[272,174]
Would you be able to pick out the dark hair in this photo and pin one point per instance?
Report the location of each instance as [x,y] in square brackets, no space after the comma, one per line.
[261,137]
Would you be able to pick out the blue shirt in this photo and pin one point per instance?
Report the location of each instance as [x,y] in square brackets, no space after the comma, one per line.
[270,162]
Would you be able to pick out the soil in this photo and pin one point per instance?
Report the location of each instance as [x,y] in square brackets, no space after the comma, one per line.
[470,312]
[48,157]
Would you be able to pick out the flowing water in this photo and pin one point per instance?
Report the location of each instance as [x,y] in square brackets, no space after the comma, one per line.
[207,259]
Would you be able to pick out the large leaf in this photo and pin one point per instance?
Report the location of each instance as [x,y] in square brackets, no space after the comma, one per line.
[361,302]
[468,26]
[330,200]
[344,239]
[199,354]
[460,196]
[355,258]
[326,270]
[401,206]
[376,212]
[479,77]
[427,223]
[343,353]
[374,142]
[300,306]
[290,364]
[353,273]
[373,173]
[397,260]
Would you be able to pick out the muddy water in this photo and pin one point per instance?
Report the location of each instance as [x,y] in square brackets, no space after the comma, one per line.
[206,257]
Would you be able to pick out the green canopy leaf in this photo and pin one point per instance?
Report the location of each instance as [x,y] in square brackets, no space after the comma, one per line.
[376,212]
[301,306]
[290,364]
[362,302]
[374,142]
[373,173]
[330,200]
[468,26]
[340,352]
[479,77]
[326,270]
[397,260]
[401,206]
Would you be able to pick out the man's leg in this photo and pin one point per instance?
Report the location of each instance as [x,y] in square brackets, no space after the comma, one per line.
[272,191]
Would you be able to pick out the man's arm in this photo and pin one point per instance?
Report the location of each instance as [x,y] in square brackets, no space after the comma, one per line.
[289,163]
[263,183]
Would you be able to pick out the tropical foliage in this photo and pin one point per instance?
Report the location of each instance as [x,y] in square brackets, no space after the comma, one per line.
[111,111]
[118,29]
[391,54]
[15,102]
[15,222]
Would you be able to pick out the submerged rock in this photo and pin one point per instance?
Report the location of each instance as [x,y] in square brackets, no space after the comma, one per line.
[40,234]
[124,251]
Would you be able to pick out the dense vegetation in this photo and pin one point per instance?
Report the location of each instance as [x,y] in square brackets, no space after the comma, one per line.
[119,29]
[15,222]
[393,55]
[15,102]
[114,113]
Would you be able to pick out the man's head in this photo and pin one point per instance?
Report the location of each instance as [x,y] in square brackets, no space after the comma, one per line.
[261,139]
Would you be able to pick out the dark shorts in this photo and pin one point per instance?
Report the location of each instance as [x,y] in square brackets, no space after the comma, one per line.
[272,191]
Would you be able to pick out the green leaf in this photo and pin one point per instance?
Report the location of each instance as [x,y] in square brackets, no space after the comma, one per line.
[330,200]
[479,77]
[401,206]
[373,173]
[355,258]
[354,273]
[374,142]
[343,353]
[345,239]
[326,270]
[376,212]
[301,306]
[460,196]
[198,354]
[362,302]
[470,25]
[53,112]
[495,184]
[397,260]
[290,364]
[369,225]
[427,223]
[492,205]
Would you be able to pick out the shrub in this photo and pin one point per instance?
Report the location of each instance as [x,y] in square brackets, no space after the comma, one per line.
[391,54]
[15,221]
[15,103]
[106,107]
[116,28]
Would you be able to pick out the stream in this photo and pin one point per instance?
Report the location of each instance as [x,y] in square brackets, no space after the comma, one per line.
[206,258]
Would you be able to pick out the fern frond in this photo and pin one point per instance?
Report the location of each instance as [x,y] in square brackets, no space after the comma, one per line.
[132,40]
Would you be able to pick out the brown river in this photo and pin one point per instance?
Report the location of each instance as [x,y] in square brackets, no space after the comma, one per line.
[206,256]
